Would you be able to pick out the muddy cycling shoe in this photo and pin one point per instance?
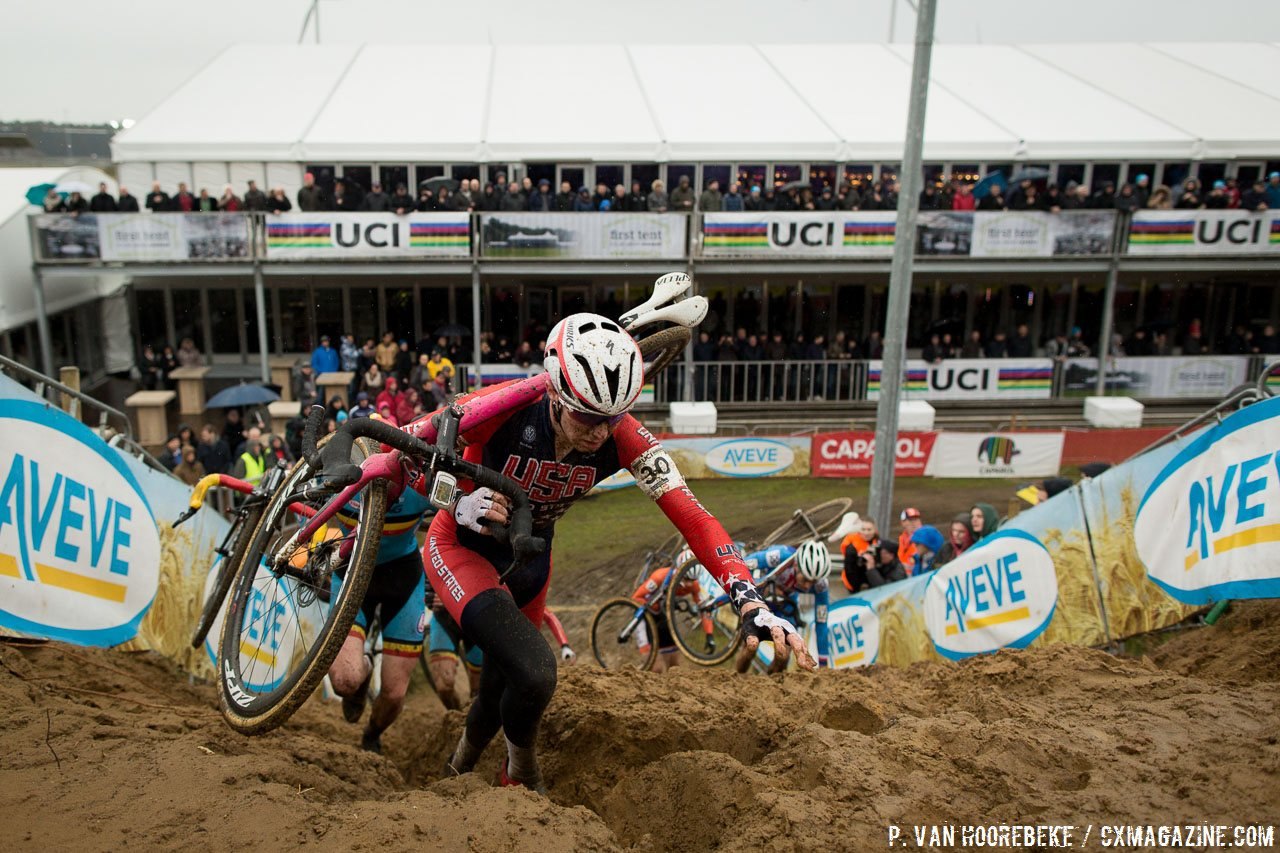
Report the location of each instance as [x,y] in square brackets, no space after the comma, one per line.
[371,742]
[353,706]
[505,781]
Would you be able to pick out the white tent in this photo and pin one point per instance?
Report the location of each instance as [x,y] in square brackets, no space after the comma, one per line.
[608,103]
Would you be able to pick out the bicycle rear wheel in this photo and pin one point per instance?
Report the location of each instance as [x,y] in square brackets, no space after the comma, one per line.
[702,620]
[662,348]
[227,569]
[279,638]
[824,517]
[624,635]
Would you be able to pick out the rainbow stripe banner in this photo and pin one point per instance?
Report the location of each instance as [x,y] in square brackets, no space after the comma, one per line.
[859,233]
[798,234]
[1204,232]
[971,379]
[735,234]
[330,236]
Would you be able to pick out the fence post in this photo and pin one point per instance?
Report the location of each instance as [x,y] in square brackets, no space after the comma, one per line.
[69,376]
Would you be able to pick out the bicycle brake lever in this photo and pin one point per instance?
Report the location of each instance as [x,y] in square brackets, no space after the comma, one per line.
[184,517]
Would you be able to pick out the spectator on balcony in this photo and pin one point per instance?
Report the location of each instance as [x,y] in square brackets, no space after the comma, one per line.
[1128,200]
[1193,344]
[52,201]
[324,358]
[602,194]
[1076,347]
[1053,199]
[1161,199]
[158,199]
[827,200]
[401,202]
[1233,193]
[376,201]
[255,200]
[103,202]
[683,197]
[426,200]
[465,198]
[1217,199]
[278,202]
[513,200]
[1273,191]
[754,201]
[929,197]
[189,355]
[1071,197]
[805,200]
[565,198]
[229,202]
[526,186]
[1255,198]
[582,203]
[962,199]
[636,202]
[973,346]
[128,202]
[444,199]
[711,200]
[993,200]
[1267,343]
[768,199]
[489,199]
[75,204]
[1021,345]
[1019,192]
[1139,344]
[1027,199]
[1105,198]
[619,201]
[1160,345]
[1190,198]
[206,203]
[1142,189]
[785,201]
[1057,347]
[932,351]
[997,347]
[183,201]
[542,201]
[310,196]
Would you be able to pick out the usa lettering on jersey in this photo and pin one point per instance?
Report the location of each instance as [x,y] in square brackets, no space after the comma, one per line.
[547,480]
[656,473]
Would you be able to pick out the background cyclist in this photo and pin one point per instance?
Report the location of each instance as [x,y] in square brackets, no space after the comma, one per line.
[810,564]
[668,652]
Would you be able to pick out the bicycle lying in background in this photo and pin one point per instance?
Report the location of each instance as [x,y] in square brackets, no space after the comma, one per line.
[631,632]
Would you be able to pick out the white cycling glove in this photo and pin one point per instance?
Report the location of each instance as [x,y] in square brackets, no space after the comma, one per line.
[760,623]
[567,654]
[471,509]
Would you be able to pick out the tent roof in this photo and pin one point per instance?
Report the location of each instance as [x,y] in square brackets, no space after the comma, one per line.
[823,102]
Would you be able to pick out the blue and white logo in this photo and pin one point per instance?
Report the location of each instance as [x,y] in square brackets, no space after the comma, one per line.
[750,457]
[853,630]
[79,550]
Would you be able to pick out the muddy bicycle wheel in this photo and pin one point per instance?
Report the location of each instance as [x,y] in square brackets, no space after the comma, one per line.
[662,348]
[823,517]
[226,570]
[703,622]
[283,630]
[624,635]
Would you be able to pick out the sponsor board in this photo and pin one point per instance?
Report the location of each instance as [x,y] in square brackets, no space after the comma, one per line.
[978,454]
[853,634]
[999,594]
[1158,377]
[971,379]
[572,235]
[853,233]
[850,454]
[1204,232]
[143,236]
[1026,234]
[79,551]
[1208,526]
[333,236]
[750,457]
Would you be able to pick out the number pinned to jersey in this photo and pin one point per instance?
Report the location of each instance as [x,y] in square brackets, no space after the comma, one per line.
[656,472]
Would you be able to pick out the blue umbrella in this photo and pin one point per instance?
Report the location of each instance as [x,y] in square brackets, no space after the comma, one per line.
[982,188]
[1029,173]
[36,194]
[241,395]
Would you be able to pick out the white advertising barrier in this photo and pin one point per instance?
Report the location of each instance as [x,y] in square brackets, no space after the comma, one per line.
[574,235]
[971,379]
[1023,234]
[1166,376]
[703,458]
[333,236]
[999,594]
[853,632]
[1204,232]
[142,236]
[865,234]
[980,454]
[1208,527]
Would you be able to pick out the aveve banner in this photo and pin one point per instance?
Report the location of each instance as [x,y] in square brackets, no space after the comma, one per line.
[849,454]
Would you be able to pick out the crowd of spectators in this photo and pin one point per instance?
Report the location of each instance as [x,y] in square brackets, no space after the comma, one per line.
[525,195]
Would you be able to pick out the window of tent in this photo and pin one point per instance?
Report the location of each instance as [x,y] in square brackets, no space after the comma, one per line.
[295,319]
[462,310]
[361,176]
[1005,169]
[392,177]
[399,313]
[888,172]
[575,175]
[324,174]
[1208,172]
[1246,174]
[495,169]
[462,171]
[965,173]
[785,173]
[1103,174]
[716,172]
[1068,172]
[188,317]
[609,174]
[541,171]
[426,172]
[1136,169]
[751,175]
[676,171]
[434,303]
[1037,169]
[822,175]
[152,325]
[330,318]
[1272,166]
[1174,174]
[646,174]
[858,175]
[364,313]
[250,302]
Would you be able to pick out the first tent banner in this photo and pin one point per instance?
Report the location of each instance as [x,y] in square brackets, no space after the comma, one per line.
[326,236]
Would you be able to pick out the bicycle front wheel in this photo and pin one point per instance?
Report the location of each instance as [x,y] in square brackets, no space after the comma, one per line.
[624,635]
[702,620]
[823,517]
[283,630]
[662,348]
[227,569]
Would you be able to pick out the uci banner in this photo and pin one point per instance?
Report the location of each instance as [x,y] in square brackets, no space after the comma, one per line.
[573,235]
[1208,526]
[971,379]
[1204,232]
[854,233]
[332,236]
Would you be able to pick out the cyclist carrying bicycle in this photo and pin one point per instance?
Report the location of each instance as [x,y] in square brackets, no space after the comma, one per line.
[558,447]
[809,566]
[668,652]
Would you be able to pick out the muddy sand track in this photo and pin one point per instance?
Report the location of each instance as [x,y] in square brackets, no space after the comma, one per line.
[692,761]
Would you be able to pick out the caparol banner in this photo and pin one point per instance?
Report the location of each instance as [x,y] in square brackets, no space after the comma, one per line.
[329,236]
[87,551]
[983,454]
[850,454]
[853,233]
[971,379]
[1158,377]
[574,235]
[1204,232]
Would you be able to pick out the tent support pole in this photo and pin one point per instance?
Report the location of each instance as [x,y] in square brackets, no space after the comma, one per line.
[42,325]
[475,320]
[260,306]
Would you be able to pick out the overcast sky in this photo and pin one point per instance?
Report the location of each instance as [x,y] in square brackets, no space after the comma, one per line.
[98,60]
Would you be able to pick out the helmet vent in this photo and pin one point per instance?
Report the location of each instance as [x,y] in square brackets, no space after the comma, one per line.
[586,327]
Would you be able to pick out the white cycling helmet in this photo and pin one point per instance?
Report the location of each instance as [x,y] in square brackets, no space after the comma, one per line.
[596,367]
[812,560]
[685,555]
